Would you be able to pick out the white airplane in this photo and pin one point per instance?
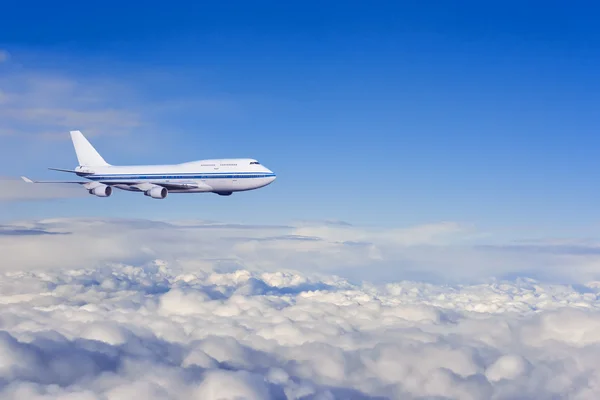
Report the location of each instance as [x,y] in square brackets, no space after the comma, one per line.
[222,177]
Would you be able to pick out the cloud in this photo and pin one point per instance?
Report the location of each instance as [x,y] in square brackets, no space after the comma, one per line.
[115,308]
[422,234]
[438,253]
[49,105]
[46,95]
[7,231]
[160,331]
[17,190]
[4,57]
[314,247]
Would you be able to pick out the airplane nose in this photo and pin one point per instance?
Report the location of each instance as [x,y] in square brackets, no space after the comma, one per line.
[268,171]
[272,177]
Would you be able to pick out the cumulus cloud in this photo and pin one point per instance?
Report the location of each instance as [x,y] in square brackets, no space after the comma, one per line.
[115,308]
[162,331]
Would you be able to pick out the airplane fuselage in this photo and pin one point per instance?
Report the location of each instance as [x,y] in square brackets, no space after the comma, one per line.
[221,176]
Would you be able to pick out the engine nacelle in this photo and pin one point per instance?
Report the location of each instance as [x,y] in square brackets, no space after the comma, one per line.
[157,192]
[224,193]
[101,191]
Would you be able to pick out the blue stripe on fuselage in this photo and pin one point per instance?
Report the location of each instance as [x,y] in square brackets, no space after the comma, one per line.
[184,175]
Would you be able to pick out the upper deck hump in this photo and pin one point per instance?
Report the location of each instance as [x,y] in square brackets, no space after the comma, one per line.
[208,165]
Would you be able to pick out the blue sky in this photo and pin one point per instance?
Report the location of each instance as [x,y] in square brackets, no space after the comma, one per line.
[372,113]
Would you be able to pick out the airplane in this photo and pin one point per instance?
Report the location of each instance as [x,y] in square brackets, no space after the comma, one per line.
[220,176]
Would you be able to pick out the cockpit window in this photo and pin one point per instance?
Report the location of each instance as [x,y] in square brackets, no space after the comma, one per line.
[254,162]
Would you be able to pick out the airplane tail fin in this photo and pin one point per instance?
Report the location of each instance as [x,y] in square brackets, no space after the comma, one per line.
[86,153]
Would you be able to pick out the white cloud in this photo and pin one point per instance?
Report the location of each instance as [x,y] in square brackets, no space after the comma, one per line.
[220,246]
[160,331]
[443,254]
[49,105]
[423,234]
[112,308]
[47,102]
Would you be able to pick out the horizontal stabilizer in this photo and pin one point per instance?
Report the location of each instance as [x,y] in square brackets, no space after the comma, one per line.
[71,170]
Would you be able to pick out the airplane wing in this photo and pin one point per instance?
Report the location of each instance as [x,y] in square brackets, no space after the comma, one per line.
[136,185]
[168,185]
[26,179]
[141,185]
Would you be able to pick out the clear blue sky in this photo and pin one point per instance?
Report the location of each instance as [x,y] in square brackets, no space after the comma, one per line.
[369,112]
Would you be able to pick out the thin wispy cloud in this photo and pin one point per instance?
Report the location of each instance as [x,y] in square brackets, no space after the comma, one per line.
[49,102]
[47,105]
[4,56]
[15,190]
[449,252]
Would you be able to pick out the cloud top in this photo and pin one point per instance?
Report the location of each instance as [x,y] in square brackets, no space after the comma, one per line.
[158,332]
[436,253]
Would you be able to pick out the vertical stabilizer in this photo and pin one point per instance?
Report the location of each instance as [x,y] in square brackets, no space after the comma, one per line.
[86,153]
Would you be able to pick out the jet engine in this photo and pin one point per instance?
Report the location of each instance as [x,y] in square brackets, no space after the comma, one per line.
[101,191]
[157,192]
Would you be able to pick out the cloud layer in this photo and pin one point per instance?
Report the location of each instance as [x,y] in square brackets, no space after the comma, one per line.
[155,332]
[114,309]
[441,253]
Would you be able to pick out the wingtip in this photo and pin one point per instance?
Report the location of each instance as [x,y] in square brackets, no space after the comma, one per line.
[26,179]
